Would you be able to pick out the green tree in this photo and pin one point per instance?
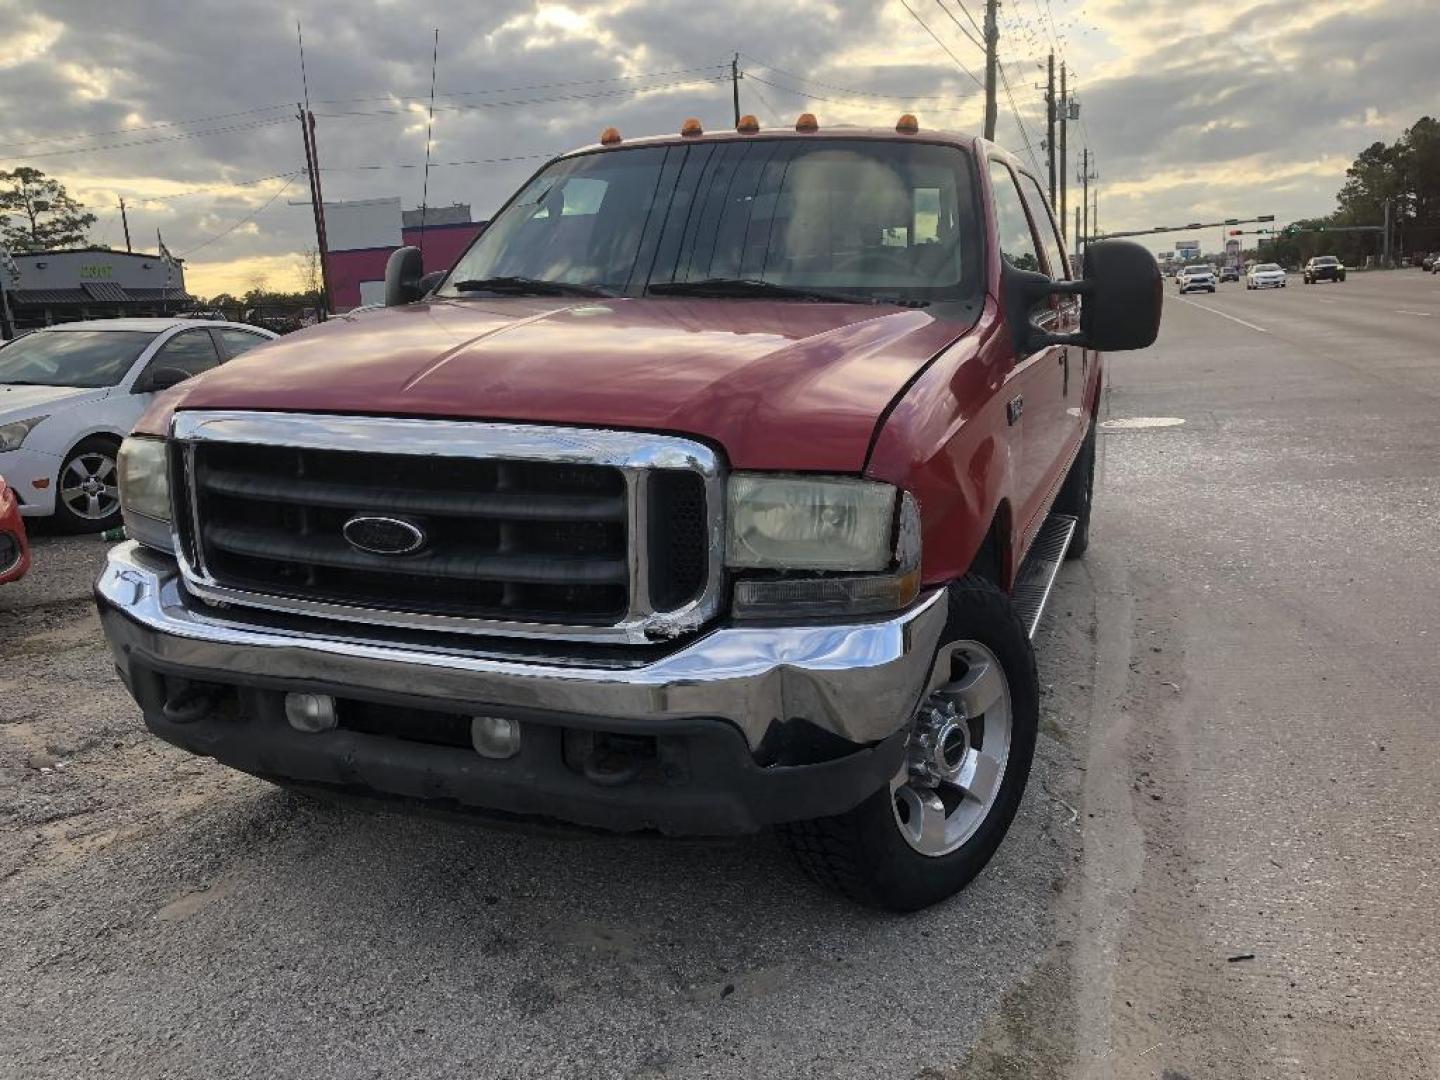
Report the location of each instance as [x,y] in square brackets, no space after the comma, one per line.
[38,214]
[1407,175]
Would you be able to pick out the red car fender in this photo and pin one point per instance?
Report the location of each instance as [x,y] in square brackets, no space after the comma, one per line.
[13,525]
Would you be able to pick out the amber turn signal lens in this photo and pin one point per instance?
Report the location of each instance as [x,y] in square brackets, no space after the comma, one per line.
[807,122]
[907,124]
[691,127]
[610,136]
[748,125]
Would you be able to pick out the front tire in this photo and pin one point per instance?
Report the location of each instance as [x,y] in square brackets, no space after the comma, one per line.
[926,834]
[87,495]
[1075,495]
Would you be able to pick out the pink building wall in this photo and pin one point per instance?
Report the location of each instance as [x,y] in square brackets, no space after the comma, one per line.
[443,245]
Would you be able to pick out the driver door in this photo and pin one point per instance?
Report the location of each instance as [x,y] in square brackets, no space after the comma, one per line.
[1035,387]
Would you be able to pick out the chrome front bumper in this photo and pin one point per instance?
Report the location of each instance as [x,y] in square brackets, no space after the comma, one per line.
[860,681]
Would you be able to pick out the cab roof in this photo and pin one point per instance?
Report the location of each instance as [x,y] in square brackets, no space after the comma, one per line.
[838,131]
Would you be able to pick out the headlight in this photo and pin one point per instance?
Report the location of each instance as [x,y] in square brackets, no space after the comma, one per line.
[12,435]
[827,523]
[145,491]
[831,545]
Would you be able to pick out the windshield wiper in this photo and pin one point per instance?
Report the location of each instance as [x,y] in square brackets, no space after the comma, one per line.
[526,286]
[753,287]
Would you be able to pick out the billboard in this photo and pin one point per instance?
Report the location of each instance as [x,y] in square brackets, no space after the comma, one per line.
[1187,249]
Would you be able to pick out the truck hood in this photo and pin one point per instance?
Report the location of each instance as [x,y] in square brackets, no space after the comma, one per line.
[776,384]
[19,402]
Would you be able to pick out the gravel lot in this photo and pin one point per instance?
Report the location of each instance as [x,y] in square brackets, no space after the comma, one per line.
[171,918]
[1225,865]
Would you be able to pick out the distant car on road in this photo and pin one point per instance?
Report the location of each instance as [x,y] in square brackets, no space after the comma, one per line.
[14,548]
[1196,279]
[1230,273]
[1324,268]
[70,393]
[1265,276]
[1428,260]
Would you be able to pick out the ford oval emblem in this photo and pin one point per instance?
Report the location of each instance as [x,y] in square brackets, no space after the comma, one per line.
[384,535]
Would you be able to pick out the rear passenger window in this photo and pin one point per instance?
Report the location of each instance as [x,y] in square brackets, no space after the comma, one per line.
[190,351]
[1045,225]
[1017,242]
[238,341]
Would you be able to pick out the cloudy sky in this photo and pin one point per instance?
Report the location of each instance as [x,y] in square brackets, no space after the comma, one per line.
[186,107]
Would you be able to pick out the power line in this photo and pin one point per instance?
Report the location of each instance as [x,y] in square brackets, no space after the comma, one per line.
[774,112]
[348,113]
[854,100]
[961,26]
[206,189]
[534,86]
[948,51]
[441,164]
[1024,132]
[159,139]
[140,127]
[903,98]
[242,221]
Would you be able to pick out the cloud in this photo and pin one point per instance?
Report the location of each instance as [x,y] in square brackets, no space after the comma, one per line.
[1247,106]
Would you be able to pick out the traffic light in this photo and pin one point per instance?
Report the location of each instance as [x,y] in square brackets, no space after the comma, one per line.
[1237,232]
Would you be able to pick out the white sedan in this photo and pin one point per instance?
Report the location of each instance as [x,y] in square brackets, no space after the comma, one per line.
[70,393]
[1196,279]
[1265,276]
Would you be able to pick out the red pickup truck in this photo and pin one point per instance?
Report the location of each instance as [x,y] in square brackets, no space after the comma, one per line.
[719,485]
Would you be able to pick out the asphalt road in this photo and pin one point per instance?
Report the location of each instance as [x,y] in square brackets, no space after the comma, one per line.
[1236,759]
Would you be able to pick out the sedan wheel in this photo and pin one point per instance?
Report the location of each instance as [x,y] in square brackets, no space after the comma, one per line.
[88,496]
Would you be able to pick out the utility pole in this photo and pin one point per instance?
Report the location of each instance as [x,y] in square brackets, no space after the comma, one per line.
[992,39]
[124,220]
[1064,125]
[735,85]
[1076,249]
[1095,208]
[1050,123]
[1084,198]
[317,202]
[1385,242]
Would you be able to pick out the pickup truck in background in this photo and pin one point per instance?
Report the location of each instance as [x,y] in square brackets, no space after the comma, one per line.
[720,485]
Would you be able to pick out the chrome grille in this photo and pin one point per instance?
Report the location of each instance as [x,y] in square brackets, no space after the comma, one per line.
[595,535]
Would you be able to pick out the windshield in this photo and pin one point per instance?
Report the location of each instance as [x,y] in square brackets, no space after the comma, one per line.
[72,357]
[1326,260]
[1197,269]
[1267,268]
[870,219]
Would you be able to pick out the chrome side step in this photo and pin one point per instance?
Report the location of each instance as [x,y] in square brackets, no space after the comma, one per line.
[1037,573]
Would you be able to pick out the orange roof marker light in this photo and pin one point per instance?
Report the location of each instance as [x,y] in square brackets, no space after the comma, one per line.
[610,136]
[691,127]
[748,125]
[807,122]
[907,124]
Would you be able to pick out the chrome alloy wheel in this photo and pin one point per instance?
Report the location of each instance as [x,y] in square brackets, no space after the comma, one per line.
[959,747]
[88,486]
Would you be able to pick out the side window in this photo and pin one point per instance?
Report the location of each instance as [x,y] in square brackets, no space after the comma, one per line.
[239,341]
[190,351]
[1017,242]
[1045,223]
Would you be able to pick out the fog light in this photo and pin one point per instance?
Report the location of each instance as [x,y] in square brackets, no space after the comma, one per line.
[310,712]
[494,736]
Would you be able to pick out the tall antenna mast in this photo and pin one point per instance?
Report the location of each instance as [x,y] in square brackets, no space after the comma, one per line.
[304,79]
[429,127]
